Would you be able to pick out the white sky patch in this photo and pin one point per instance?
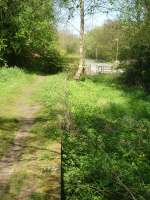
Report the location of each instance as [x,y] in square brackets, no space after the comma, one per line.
[91,21]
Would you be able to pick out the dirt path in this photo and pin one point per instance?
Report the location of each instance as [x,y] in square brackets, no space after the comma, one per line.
[14,162]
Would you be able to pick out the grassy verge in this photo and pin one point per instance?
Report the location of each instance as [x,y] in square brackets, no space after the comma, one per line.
[51,96]
[12,83]
[42,156]
[106,154]
[37,173]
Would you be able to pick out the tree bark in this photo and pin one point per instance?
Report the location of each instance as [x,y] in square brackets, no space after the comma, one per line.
[82,50]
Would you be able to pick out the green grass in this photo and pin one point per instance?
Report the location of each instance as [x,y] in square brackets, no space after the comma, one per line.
[12,83]
[51,96]
[105,145]
[45,134]
[106,154]
[34,171]
[72,63]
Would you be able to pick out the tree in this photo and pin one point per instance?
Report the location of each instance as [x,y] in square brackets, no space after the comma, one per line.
[136,49]
[28,33]
[82,50]
[100,42]
[85,7]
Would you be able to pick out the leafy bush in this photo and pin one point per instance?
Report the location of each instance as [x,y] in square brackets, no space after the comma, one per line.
[136,48]
[29,32]
[100,42]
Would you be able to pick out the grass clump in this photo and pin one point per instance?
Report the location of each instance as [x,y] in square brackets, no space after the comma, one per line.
[106,154]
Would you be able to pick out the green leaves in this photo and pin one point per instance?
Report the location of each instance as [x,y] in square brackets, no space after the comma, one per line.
[28,28]
[100,41]
[106,155]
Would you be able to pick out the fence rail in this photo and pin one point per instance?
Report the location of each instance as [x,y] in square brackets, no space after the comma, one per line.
[103,68]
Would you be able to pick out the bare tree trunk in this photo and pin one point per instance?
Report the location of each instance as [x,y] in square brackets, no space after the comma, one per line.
[82,59]
[82,51]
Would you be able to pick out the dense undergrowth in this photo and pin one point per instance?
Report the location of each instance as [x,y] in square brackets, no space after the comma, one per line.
[106,152]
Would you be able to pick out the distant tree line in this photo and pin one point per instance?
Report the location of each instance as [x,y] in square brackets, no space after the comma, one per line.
[69,42]
[101,41]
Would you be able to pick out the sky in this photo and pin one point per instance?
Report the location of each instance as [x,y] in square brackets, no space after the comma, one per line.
[92,21]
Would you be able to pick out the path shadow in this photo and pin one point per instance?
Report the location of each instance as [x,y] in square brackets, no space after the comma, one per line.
[10,125]
[29,149]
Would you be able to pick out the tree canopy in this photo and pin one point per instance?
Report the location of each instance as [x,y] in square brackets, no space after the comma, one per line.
[101,41]
[135,20]
[27,30]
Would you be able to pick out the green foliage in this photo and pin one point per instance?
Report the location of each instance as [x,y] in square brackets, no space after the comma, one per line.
[106,153]
[28,32]
[136,48]
[69,43]
[72,64]
[91,6]
[2,50]
[102,40]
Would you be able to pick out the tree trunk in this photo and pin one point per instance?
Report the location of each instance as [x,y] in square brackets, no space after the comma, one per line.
[82,51]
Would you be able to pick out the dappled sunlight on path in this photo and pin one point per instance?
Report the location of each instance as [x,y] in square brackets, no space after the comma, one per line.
[27,170]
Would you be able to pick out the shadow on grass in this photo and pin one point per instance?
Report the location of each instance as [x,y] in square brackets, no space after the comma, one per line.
[37,71]
[115,81]
[32,148]
[13,188]
[43,128]
[111,145]
[8,124]
[53,193]
[8,127]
